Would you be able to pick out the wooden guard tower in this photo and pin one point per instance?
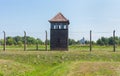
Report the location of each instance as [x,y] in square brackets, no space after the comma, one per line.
[59,32]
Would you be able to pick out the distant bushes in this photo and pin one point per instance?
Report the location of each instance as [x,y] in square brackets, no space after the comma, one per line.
[103,41]
[108,41]
[18,40]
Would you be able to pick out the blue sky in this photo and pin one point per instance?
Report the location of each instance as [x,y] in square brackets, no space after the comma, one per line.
[100,16]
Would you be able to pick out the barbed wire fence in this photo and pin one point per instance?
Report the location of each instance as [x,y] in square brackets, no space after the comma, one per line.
[90,35]
[24,34]
[94,36]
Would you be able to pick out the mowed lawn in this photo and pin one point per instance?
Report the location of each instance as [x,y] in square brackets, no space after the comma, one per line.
[75,62]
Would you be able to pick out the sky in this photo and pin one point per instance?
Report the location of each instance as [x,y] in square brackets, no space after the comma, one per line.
[100,16]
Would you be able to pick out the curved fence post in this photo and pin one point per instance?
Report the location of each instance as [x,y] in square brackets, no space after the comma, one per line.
[25,41]
[90,40]
[4,46]
[114,44]
[46,41]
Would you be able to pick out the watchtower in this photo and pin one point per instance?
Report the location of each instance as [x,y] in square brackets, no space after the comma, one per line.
[59,32]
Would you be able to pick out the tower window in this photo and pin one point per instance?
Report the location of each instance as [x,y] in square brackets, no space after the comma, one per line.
[65,27]
[56,27]
[60,27]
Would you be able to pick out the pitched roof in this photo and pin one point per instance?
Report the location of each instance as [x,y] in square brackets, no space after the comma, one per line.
[59,18]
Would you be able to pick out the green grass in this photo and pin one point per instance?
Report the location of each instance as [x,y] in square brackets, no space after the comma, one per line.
[94,48]
[82,48]
[29,48]
[94,69]
[78,61]
[11,68]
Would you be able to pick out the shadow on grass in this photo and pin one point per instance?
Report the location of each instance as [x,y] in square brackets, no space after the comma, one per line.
[37,50]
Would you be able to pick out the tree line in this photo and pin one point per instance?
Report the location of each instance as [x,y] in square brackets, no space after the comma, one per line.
[108,41]
[103,41]
[18,40]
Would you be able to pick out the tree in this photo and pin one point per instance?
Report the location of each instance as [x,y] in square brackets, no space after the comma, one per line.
[39,41]
[87,42]
[100,42]
[1,41]
[117,40]
[20,43]
[31,40]
[111,41]
[9,41]
[17,39]
[72,42]
[104,40]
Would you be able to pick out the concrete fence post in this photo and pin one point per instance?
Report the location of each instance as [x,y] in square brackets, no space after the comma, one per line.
[46,41]
[90,40]
[4,45]
[25,41]
[114,44]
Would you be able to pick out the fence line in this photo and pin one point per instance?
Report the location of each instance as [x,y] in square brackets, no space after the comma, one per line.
[91,33]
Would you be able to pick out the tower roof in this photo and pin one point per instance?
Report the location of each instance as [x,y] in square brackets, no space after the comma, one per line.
[59,18]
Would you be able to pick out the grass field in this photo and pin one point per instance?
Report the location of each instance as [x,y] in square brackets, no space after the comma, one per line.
[78,61]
